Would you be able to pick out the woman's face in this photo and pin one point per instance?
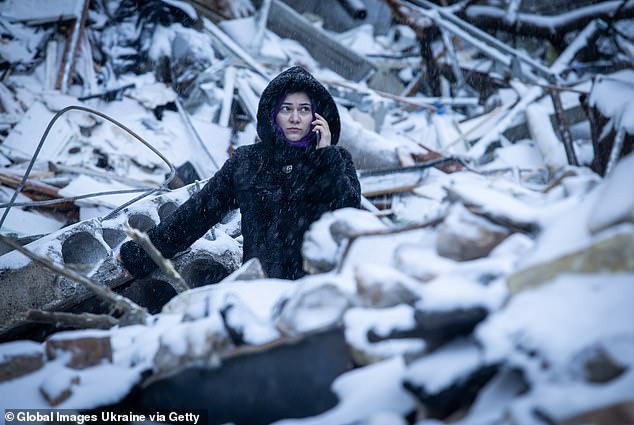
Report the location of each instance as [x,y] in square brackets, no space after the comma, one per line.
[295,116]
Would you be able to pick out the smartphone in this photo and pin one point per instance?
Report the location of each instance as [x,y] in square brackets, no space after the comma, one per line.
[317,133]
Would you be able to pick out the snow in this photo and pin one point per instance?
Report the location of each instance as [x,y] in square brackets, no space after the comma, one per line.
[135,346]
[359,321]
[153,94]
[492,401]
[361,40]
[23,46]
[516,329]
[448,364]
[242,31]
[542,131]
[25,223]
[364,250]
[619,85]
[84,333]
[615,193]
[83,185]
[315,304]
[260,296]
[56,385]
[24,139]
[98,386]
[412,210]
[446,294]
[254,330]
[568,232]
[40,10]
[567,400]
[325,237]
[18,348]
[372,150]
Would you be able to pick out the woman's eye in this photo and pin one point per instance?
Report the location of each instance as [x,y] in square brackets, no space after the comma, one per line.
[305,109]
[285,109]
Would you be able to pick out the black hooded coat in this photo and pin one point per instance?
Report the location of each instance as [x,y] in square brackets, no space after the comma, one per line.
[279,189]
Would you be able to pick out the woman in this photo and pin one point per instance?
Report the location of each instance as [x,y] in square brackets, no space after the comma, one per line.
[281,185]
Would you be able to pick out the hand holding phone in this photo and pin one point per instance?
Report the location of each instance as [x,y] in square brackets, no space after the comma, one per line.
[322,130]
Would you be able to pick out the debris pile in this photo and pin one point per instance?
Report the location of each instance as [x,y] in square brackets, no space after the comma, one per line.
[487,278]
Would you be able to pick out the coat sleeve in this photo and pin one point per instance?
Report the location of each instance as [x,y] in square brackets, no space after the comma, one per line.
[187,224]
[337,178]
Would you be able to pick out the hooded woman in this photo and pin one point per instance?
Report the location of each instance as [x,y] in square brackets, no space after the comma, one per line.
[281,185]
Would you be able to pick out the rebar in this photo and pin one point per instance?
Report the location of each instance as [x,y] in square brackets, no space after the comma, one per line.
[78,197]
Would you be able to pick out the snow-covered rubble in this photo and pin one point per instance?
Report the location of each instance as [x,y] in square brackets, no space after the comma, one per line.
[494,288]
[562,336]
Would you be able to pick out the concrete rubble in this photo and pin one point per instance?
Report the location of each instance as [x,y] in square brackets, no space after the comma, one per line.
[487,278]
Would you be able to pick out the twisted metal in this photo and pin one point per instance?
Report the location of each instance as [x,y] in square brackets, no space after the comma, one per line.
[163,187]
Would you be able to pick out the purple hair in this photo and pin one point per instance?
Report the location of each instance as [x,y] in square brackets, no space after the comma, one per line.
[305,141]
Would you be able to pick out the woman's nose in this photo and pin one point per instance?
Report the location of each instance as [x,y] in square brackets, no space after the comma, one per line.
[295,116]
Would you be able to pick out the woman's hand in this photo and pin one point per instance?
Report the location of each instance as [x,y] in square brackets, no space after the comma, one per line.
[320,124]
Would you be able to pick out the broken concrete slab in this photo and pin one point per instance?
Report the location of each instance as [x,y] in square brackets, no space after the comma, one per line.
[615,204]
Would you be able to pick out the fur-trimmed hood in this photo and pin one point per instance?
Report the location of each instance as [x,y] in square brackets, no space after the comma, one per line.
[296,79]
